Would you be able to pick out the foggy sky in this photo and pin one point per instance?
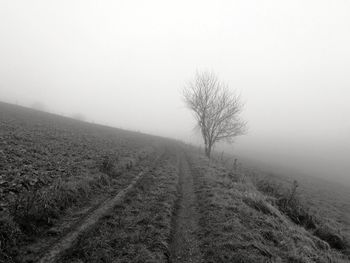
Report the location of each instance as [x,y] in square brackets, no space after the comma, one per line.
[124,63]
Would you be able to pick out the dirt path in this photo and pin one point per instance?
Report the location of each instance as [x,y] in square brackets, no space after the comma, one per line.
[53,253]
[184,246]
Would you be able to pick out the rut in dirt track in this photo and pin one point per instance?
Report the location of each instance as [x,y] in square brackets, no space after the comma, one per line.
[184,246]
[55,251]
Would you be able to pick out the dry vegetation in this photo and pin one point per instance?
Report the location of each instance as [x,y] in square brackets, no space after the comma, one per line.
[137,230]
[242,224]
[54,170]
[49,164]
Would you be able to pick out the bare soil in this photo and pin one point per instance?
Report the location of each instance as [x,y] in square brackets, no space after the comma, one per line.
[184,245]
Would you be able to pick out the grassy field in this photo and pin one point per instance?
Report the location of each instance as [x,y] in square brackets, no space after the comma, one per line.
[328,200]
[324,199]
[138,229]
[50,164]
[78,192]
[241,224]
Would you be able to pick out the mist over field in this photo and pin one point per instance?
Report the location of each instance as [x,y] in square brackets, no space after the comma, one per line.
[125,63]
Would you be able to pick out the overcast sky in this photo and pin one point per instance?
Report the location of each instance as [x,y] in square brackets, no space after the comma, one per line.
[124,63]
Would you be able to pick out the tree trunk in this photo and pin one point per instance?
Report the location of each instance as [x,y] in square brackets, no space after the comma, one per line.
[208,150]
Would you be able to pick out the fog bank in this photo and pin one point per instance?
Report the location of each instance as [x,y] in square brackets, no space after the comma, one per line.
[124,63]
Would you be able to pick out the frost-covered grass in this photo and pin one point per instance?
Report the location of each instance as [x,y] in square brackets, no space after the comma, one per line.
[137,230]
[241,224]
[50,163]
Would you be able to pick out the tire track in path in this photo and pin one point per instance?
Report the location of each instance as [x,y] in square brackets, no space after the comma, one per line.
[53,253]
[184,245]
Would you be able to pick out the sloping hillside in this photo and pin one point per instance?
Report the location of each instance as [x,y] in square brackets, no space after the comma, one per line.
[77,192]
[50,165]
[247,218]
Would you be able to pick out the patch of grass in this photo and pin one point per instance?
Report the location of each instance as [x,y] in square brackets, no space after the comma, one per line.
[50,163]
[136,230]
[108,164]
[289,203]
[332,237]
[37,209]
[258,204]
[240,224]
[114,165]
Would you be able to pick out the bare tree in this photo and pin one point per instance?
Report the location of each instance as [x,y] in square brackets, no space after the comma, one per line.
[216,109]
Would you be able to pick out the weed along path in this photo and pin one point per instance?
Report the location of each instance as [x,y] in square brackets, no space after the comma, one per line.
[55,250]
[184,246]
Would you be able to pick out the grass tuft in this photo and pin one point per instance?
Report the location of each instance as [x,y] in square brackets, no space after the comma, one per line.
[258,204]
[289,203]
[330,235]
[38,209]
[114,165]
[35,210]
